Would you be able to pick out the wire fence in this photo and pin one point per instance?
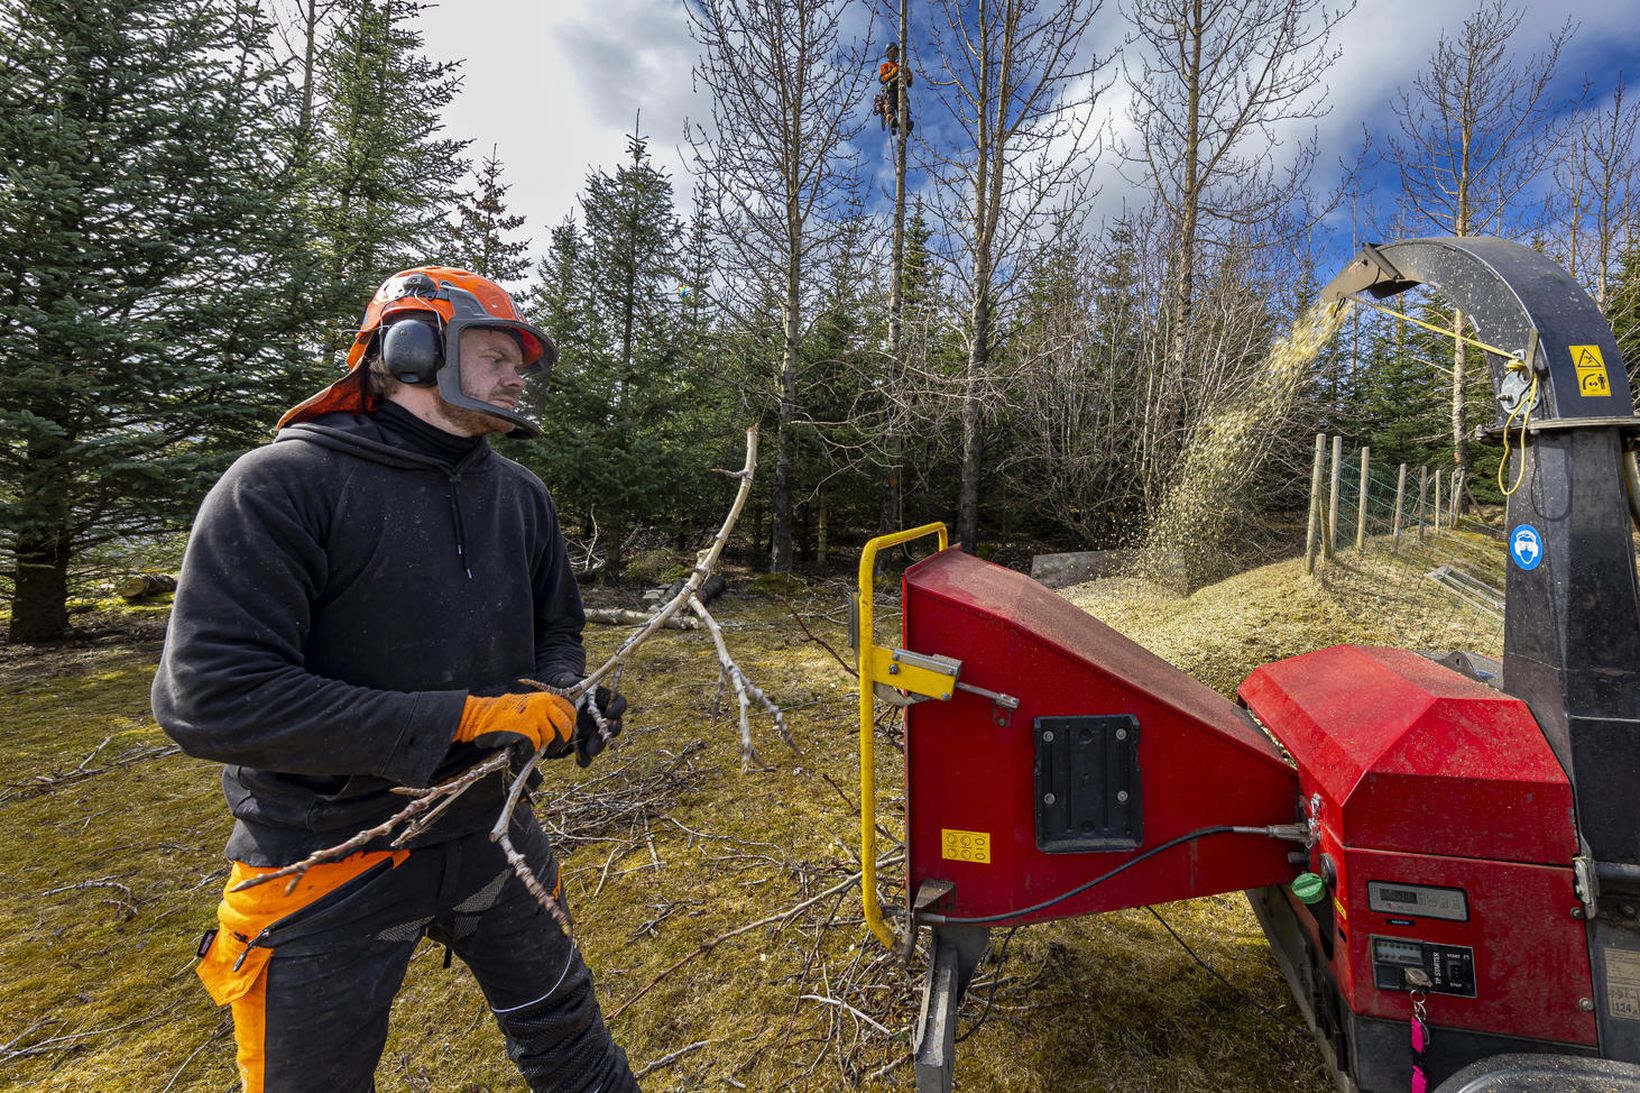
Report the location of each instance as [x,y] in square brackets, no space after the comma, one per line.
[1403,541]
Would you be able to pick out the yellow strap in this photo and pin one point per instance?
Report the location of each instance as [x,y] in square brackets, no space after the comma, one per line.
[1477,343]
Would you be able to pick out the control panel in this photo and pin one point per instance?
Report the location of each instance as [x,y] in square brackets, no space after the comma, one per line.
[1418,901]
[1405,964]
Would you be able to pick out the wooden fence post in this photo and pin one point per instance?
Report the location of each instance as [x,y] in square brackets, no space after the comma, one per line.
[1332,503]
[1400,496]
[1440,513]
[1361,510]
[1457,492]
[1423,486]
[1311,534]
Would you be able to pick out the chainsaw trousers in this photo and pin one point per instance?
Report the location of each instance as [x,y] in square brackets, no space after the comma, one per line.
[318,1017]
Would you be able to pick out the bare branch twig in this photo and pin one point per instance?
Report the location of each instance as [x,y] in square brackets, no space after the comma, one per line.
[711,943]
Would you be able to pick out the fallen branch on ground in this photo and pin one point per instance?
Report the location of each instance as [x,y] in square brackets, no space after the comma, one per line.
[42,784]
[620,616]
[71,1041]
[141,586]
[820,641]
[668,1060]
[713,942]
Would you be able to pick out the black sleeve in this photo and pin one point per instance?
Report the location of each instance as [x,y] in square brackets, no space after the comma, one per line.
[232,686]
[559,618]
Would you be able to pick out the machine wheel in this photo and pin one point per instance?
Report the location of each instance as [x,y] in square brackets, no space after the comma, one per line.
[1543,1074]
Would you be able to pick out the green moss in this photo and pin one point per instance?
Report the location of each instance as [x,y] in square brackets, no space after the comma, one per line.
[652,567]
[783,585]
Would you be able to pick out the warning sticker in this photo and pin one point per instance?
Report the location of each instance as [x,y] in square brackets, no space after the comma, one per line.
[972,846]
[1623,983]
[1592,378]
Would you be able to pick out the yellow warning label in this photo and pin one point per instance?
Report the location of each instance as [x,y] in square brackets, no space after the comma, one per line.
[1592,379]
[965,845]
[1338,909]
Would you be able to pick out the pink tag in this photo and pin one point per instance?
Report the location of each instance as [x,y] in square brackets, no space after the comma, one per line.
[1418,1044]
[1420,1084]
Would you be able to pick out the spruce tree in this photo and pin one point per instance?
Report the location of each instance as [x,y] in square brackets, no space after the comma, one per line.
[1624,309]
[632,257]
[840,391]
[1403,402]
[481,238]
[631,429]
[381,180]
[555,301]
[140,244]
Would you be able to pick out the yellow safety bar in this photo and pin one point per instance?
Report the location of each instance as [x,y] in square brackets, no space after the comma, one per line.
[873,658]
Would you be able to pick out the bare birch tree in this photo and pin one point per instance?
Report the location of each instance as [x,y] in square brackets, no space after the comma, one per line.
[785,84]
[1472,130]
[1594,187]
[1216,85]
[1015,83]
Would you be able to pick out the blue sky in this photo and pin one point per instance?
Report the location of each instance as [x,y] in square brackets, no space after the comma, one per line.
[554,86]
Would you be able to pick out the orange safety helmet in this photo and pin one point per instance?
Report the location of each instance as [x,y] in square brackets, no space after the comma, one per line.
[444,301]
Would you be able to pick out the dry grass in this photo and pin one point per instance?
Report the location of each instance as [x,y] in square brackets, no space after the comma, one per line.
[111,876]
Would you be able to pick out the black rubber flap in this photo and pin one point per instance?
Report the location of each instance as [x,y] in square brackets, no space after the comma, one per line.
[1087,783]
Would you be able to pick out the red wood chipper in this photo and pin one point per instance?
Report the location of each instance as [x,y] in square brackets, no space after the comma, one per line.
[1457,837]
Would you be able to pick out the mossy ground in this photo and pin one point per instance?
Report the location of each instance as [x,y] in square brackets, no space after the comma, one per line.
[109,880]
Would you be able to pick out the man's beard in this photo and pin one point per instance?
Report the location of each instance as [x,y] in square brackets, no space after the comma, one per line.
[474,422]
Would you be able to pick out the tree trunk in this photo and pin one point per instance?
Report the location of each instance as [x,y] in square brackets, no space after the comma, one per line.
[973,420]
[1184,287]
[614,558]
[820,544]
[894,447]
[803,542]
[304,123]
[39,609]
[780,548]
[142,586]
[754,549]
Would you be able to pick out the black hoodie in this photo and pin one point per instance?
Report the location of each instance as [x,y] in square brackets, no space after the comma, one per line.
[344,589]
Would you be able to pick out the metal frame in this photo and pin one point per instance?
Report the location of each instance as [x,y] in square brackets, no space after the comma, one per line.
[877,666]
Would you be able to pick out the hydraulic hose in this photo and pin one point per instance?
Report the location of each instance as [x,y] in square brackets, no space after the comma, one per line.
[1293,832]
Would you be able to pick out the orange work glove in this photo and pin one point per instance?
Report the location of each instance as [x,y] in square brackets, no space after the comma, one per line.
[536,719]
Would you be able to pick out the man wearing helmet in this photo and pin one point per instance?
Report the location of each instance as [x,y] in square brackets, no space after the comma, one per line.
[893,76]
[357,606]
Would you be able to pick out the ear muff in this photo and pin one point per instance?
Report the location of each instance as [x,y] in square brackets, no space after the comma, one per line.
[413,352]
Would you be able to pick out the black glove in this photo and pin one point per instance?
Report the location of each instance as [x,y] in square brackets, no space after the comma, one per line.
[588,740]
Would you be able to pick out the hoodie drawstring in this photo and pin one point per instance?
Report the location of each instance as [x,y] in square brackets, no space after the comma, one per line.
[461,528]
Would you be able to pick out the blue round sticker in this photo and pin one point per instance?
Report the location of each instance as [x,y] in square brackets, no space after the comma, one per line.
[1526,546]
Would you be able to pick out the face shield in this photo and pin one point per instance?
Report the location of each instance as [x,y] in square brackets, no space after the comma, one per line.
[469,314]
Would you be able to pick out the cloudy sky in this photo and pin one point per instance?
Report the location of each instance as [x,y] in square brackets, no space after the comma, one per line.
[554,85]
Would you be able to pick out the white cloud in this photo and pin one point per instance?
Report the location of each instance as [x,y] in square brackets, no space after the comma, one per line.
[554,85]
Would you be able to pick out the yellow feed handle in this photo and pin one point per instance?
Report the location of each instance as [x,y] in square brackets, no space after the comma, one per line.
[868,744]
